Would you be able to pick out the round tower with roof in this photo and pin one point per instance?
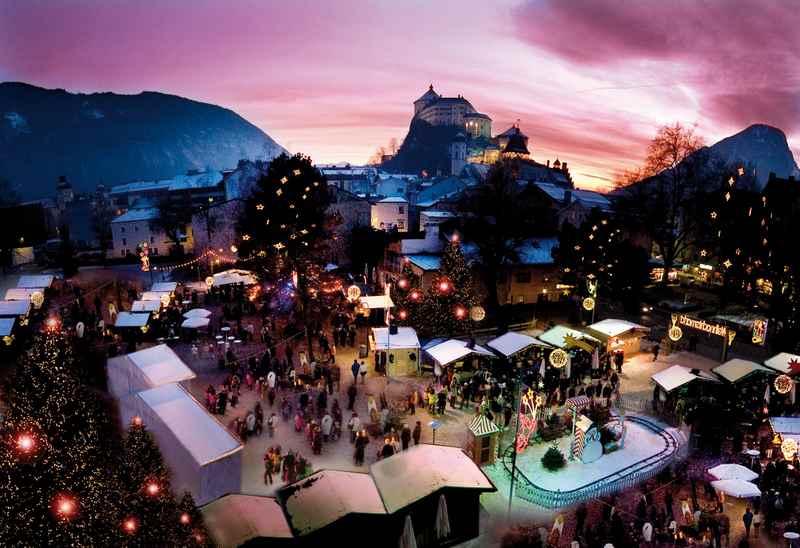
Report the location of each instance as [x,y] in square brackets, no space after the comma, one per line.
[458,154]
[427,98]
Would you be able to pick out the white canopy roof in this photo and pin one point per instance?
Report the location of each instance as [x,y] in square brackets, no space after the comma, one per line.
[146,306]
[732,471]
[14,308]
[377,301]
[132,319]
[197,313]
[319,500]
[202,435]
[194,323]
[736,369]
[232,520]
[6,326]
[556,336]
[614,328]
[406,337]
[154,295]
[737,488]
[677,375]
[235,276]
[453,350]
[145,369]
[22,293]
[37,281]
[778,362]
[422,470]
[164,286]
[785,425]
[512,342]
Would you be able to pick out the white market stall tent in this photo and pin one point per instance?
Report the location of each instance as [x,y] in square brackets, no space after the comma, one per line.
[732,471]
[132,319]
[22,293]
[619,334]
[169,287]
[737,488]
[454,350]
[737,369]
[233,520]
[235,276]
[146,306]
[782,363]
[557,336]
[376,301]
[37,281]
[145,369]
[677,376]
[195,323]
[155,295]
[397,353]
[17,309]
[512,343]
[197,313]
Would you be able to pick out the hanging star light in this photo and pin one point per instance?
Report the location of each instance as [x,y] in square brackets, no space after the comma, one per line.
[279,192]
[703,252]
[260,207]
[284,180]
[731,181]
[279,246]
[713,214]
[727,196]
[727,263]
[558,358]
[741,171]
[245,237]
[296,172]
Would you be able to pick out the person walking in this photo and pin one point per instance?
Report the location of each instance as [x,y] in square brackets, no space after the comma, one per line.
[326,424]
[413,399]
[747,519]
[656,350]
[355,368]
[361,442]
[268,469]
[362,370]
[417,434]
[352,392]
[405,436]
[354,424]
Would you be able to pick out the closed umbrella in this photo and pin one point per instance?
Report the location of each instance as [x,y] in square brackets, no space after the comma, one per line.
[197,313]
[407,539]
[737,488]
[732,472]
[194,323]
[766,394]
[568,367]
[596,359]
[541,369]
[442,519]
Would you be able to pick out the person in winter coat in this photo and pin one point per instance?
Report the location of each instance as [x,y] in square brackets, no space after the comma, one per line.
[354,424]
[352,392]
[417,434]
[405,436]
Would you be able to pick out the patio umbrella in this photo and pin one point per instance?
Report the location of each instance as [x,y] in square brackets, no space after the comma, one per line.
[541,369]
[194,323]
[732,472]
[596,359]
[407,539]
[197,313]
[737,488]
[766,394]
[568,367]
[442,519]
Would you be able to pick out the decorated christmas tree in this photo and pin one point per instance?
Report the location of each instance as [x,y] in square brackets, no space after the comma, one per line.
[446,306]
[406,294]
[192,530]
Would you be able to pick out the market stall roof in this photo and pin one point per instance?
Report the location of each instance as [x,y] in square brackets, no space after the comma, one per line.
[146,306]
[14,308]
[676,376]
[324,497]
[737,488]
[200,433]
[197,313]
[737,369]
[614,328]
[377,301]
[35,281]
[732,471]
[154,295]
[406,337]
[786,426]
[132,319]
[512,342]
[164,286]
[480,425]
[453,350]
[425,469]
[195,323]
[557,336]
[158,364]
[235,276]
[784,362]
[232,520]
[21,293]
[6,326]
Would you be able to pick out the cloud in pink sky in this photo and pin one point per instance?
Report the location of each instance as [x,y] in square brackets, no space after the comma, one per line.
[589,80]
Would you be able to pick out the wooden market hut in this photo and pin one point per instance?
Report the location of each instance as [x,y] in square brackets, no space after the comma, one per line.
[484,437]
[460,355]
[517,348]
[247,520]
[618,335]
[737,370]
[396,351]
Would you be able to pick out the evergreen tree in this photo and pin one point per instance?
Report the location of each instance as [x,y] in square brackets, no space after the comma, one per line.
[446,306]
[406,294]
[192,530]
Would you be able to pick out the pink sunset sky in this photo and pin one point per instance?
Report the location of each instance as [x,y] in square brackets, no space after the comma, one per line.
[590,81]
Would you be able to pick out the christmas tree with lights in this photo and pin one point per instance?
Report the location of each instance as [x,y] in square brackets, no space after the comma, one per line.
[406,294]
[446,305]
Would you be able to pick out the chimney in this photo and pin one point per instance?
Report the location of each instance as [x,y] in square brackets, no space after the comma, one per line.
[567,197]
[564,167]
[548,163]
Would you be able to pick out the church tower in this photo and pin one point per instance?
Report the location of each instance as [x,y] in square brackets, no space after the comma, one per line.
[458,154]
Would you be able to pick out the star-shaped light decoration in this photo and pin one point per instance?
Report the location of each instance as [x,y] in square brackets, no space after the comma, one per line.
[283,227]
[260,207]
[591,236]
[541,384]
[727,196]
[594,227]
[604,222]
[279,192]
[703,252]
[727,263]
[296,172]
[713,214]
[305,196]
[262,253]
[738,251]
[304,232]
[731,181]
[764,241]
[308,188]
[291,206]
[293,236]
[266,222]
[741,171]
[316,183]
[794,366]
[284,180]
[279,246]
[245,237]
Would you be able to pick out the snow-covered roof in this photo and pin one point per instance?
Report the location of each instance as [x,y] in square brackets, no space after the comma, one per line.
[232,520]
[453,350]
[35,281]
[178,182]
[158,365]
[480,425]
[425,469]
[406,337]
[132,319]
[324,497]
[779,362]
[437,214]
[377,301]
[21,293]
[440,190]
[14,308]
[393,200]
[154,295]
[587,197]
[556,336]
[736,369]
[197,313]
[195,323]
[139,214]
[614,328]
[235,276]
[677,375]
[427,263]
[202,435]
[164,286]
[145,306]
[512,342]
[537,251]
[785,425]
[6,326]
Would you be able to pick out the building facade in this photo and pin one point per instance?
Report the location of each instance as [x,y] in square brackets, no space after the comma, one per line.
[390,214]
[134,228]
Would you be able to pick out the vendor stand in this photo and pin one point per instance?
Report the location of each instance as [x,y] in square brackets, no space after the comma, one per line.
[396,351]
[619,335]
[461,356]
[737,370]
[519,348]
[376,308]
[676,386]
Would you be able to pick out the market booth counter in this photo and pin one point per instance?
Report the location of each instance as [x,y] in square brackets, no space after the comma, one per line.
[619,335]
[396,350]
